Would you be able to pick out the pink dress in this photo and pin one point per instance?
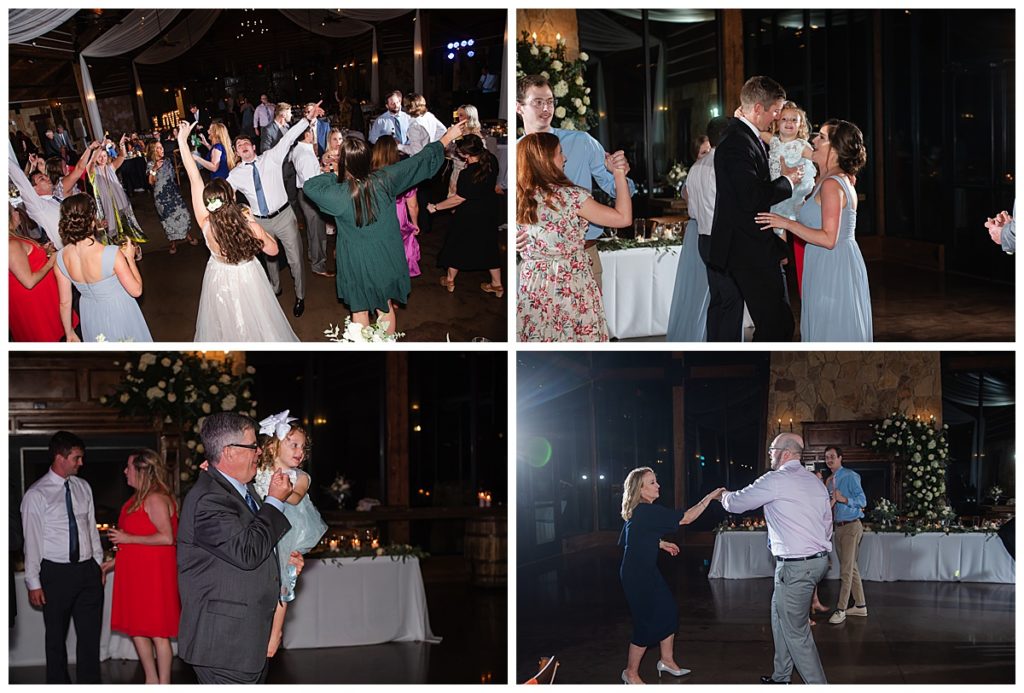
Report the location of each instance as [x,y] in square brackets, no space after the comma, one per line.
[412,246]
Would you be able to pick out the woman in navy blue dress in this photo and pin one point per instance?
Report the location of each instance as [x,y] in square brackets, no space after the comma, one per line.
[655,615]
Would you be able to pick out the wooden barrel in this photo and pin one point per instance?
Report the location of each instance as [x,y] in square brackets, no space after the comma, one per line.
[487,551]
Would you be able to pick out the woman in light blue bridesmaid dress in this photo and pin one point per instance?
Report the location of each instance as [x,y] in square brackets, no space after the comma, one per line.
[836,301]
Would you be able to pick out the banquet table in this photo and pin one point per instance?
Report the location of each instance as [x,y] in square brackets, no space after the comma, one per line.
[339,602]
[884,557]
[637,286]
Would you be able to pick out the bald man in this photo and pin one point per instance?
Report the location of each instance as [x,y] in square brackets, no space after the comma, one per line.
[799,518]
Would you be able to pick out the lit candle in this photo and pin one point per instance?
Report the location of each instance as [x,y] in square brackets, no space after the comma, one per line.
[375,544]
[333,543]
[791,424]
[535,38]
[355,543]
[558,37]
[487,498]
[480,499]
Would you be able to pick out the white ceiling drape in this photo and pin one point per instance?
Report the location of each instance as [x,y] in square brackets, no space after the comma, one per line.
[138,28]
[26,25]
[340,23]
[180,39]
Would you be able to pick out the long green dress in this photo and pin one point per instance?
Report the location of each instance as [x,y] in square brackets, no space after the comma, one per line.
[371,259]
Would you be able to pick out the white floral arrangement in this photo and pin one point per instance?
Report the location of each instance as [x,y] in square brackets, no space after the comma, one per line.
[995,492]
[885,512]
[921,447]
[354,333]
[214,204]
[568,83]
[181,389]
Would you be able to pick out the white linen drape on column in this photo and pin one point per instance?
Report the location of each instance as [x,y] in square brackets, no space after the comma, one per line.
[417,55]
[25,25]
[90,100]
[143,115]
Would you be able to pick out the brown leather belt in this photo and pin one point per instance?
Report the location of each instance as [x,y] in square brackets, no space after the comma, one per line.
[847,522]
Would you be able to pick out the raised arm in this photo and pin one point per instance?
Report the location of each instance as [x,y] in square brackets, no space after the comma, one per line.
[195,181]
[280,150]
[696,511]
[604,177]
[619,216]
[68,181]
[122,153]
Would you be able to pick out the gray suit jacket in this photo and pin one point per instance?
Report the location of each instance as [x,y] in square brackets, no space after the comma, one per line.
[228,576]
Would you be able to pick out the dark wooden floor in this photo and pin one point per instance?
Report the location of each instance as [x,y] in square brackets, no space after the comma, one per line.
[916,632]
[172,283]
[472,622]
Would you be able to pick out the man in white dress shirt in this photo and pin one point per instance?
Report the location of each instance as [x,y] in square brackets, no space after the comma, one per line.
[263,115]
[37,195]
[394,122]
[308,166]
[799,518]
[261,180]
[63,556]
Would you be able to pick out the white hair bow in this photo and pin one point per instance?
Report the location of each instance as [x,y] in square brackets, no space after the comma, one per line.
[277,425]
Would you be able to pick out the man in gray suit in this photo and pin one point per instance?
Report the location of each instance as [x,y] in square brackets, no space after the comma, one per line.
[228,572]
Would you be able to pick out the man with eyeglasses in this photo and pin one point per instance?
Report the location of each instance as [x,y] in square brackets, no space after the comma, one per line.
[228,572]
[584,156]
[799,518]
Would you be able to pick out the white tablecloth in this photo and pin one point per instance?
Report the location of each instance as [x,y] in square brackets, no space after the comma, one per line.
[360,602]
[637,287]
[884,557]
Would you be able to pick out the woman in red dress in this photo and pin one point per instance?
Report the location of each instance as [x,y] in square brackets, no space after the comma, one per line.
[146,603]
[33,302]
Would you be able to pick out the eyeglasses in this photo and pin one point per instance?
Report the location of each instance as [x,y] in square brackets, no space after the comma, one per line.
[539,104]
[247,446]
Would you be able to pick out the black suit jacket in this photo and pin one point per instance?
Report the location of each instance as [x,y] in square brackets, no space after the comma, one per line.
[228,576]
[744,188]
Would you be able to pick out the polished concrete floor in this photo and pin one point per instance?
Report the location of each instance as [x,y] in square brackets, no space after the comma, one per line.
[172,283]
[471,621]
[573,607]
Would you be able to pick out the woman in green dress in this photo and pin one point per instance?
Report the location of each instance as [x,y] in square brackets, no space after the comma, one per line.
[372,270]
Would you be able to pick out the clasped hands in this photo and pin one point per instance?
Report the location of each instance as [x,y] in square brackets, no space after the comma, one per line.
[616,161]
[995,225]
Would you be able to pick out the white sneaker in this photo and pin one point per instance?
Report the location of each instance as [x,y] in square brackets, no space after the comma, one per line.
[838,617]
[857,611]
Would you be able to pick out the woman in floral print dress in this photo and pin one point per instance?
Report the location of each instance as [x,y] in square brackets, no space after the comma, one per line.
[559,301]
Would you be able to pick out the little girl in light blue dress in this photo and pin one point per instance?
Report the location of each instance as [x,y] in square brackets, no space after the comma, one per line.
[284,449]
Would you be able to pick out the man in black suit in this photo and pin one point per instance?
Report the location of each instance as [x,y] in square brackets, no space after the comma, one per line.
[743,261]
[228,572]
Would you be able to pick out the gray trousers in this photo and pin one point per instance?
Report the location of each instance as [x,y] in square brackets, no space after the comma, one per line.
[791,602]
[211,675]
[316,233]
[285,228]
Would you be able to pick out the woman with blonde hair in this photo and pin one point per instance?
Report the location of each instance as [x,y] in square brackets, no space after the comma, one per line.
[113,208]
[284,448]
[655,614]
[146,604]
[558,297]
[222,156]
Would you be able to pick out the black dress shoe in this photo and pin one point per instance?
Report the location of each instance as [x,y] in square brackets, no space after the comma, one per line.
[769,679]
[300,308]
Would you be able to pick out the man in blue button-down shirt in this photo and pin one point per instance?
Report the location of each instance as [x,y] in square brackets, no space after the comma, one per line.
[584,156]
[848,503]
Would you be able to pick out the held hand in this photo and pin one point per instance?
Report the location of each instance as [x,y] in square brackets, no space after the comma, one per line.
[794,173]
[36,598]
[72,338]
[839,497]
[280,486]
[768,221]
[118,536]
[522,241]
[668,547]
[454,132]
[431,208]
[128,250]
[298,561]
[184,130]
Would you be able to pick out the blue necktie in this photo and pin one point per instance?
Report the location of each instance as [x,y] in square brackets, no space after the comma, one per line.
[398,130]
[72,524]
[251,503]
[261,200]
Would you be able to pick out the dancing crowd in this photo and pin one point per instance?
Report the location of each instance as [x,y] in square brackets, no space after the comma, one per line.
[217,572]
[250,194]
[758,179]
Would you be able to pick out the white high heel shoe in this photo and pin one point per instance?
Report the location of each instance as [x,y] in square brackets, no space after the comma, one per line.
[664,667]
[625,679]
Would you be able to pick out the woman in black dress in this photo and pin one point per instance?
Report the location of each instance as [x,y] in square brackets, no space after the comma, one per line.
[655,615]
[472,241]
